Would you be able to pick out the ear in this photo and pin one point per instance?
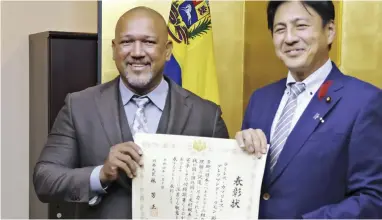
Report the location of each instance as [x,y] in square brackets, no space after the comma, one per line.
[330,32]
[168,50]
[114,49]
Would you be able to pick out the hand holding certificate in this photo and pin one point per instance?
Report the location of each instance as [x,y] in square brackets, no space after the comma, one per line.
[186,177]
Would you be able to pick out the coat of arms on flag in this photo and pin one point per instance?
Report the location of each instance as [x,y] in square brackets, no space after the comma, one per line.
[192,64]
[189,19]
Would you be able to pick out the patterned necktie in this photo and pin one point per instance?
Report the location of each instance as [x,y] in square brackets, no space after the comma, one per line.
[283,127]
[140,121]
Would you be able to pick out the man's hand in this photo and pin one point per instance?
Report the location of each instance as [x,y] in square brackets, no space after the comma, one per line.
[253,141]
[125,156]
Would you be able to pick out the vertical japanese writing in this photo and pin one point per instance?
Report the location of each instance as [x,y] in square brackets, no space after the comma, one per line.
[177,208]
[153,171]
[199,183]
[223,186]
[142,207]
[142,198]
[238,183]
[217,188]
[172,187]
[153,181]
[184,190]
[192,187]
[164,171]
[206,181]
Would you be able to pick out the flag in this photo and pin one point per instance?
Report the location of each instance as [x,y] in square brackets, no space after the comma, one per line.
[192,63]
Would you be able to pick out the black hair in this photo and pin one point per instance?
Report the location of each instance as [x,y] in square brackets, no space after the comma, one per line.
[324,8]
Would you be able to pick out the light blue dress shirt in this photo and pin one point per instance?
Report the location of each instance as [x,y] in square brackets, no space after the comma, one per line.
[153,112]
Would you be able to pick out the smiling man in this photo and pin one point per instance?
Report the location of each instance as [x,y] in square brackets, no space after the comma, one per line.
[90,157]
[323,127]
[140,49]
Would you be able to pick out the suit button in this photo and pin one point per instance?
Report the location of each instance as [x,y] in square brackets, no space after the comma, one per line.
[266,196]
[74,197]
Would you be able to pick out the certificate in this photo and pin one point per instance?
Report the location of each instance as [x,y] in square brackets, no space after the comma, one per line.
[185,177]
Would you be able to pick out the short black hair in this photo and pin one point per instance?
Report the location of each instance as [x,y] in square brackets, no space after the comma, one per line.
[324,8]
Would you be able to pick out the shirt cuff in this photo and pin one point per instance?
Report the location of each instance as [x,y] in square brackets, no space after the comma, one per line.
[95,182]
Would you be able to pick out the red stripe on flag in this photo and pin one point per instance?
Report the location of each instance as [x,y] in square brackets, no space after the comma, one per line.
[197,2]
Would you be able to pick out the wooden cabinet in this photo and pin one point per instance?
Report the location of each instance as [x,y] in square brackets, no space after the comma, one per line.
[59,63]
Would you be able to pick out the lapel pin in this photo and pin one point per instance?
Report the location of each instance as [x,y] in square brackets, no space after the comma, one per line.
[328,99]
[317,116]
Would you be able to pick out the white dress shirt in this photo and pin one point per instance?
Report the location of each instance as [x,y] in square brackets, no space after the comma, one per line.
[312,84]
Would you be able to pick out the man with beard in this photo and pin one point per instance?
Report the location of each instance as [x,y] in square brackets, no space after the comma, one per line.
[90,157]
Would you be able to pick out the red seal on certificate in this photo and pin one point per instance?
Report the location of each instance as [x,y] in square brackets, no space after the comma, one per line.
[154,211]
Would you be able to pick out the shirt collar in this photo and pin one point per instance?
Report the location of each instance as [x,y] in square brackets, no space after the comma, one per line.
[157,96]
[314,80]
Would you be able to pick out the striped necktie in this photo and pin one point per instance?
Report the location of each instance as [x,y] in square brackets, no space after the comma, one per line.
[283,127]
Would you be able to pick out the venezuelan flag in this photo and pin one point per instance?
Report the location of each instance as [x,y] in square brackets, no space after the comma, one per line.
[192,63]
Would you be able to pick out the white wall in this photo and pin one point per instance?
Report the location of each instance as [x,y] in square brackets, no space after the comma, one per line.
[18,20]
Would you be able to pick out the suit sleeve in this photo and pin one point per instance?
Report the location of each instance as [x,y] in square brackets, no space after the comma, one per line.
[364,191]
[56,175]
[247,115]
[220,128]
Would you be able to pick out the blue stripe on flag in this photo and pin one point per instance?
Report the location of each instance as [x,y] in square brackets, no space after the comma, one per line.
[173,71]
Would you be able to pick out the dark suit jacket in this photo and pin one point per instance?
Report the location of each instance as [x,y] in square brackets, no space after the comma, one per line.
[325,170]
[92,121]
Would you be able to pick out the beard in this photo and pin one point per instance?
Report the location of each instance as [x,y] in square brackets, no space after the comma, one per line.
[139,80]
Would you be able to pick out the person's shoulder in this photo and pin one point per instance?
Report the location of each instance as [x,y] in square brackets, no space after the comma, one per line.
[359,90]
[279,83]
[194,99]
[201,102]
[92,91]
[269,88]
[361,85]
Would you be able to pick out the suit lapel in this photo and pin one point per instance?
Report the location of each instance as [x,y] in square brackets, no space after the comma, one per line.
[163,122]
[309,122]
[124,123]
[107,107]
[179,109]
